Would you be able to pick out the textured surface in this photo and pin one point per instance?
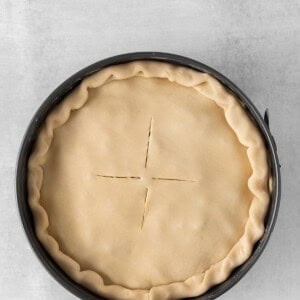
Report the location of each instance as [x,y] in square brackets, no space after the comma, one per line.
[254,43]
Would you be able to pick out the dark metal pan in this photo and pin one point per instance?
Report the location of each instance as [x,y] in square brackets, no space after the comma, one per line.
[59,94]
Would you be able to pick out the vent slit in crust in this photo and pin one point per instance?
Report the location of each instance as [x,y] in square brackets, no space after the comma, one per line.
[118,177]
[145,207]
[173,179]
[148,143]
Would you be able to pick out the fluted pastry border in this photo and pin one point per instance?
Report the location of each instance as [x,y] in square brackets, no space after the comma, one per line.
[238,120]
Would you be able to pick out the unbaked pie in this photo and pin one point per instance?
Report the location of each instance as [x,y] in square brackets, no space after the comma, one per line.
[149,181]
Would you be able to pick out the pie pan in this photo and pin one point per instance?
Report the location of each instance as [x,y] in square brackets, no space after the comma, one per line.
[58,95]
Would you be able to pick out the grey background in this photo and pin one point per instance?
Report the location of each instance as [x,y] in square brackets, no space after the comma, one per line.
[254,43]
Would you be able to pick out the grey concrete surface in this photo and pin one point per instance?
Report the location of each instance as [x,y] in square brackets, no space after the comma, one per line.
[254,43]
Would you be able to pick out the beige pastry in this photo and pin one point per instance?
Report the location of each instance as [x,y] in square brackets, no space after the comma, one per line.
[149,181]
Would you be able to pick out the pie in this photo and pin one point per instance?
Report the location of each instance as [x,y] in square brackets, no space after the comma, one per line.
[149,181]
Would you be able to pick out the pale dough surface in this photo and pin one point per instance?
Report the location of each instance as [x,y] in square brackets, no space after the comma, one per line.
[154,186]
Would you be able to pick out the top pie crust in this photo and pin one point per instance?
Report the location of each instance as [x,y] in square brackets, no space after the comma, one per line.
[149,181]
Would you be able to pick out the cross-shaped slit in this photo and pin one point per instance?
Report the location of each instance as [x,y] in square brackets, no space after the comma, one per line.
[147,152]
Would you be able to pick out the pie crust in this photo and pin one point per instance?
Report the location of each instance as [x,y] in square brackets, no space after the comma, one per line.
[149,181]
